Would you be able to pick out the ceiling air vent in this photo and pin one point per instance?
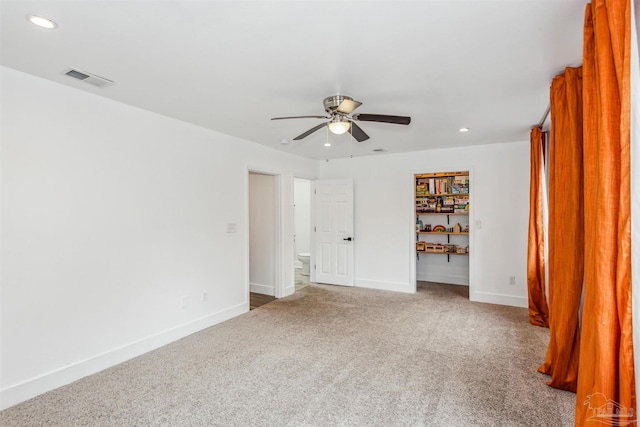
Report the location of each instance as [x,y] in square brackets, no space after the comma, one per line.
[89,78]
[379,150]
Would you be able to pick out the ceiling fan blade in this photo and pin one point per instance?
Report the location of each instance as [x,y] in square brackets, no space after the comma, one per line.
[383,118]
[357,132]
[348,105]
[301,117]
[310,131]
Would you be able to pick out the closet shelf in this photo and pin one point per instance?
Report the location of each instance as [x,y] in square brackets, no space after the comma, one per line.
[443,233]
[442,213]
[441,253]
[436,192]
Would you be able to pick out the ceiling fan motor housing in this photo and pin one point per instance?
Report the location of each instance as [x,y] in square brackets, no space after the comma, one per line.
[332,102]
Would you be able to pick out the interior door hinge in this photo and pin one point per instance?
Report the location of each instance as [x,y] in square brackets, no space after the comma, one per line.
[314,229]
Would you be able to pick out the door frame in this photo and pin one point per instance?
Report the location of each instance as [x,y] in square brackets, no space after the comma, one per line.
[312,221]
[278,227]
[411,208]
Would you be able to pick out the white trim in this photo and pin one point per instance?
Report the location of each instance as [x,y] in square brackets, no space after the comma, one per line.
[385,286]
[279,261]
[20,392]
[443,278]
[277,244]
[500,299]
[262,289]
[312,240]
[412,223]
[312,235]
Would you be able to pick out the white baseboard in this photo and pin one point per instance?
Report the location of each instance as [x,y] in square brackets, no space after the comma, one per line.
[385,286]
[17,393]
[289,291]
[499,299]
[262,289]
[441,278]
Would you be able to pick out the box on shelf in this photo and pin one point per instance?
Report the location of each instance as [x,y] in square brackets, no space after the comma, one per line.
[462,249]
[434,247]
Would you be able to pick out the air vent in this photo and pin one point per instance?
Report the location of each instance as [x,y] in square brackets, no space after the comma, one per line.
[379,150]
[89,78]
[77,74]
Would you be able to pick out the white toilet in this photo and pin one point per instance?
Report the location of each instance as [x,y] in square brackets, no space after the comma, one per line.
[304,257]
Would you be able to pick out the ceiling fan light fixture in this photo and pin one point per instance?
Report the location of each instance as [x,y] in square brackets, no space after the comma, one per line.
[339,127]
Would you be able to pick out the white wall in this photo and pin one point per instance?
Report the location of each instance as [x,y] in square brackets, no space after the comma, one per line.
[114,224]
[385,218]
[262,233]
[302,216]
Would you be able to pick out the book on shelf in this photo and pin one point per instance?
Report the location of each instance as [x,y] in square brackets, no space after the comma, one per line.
[442,185]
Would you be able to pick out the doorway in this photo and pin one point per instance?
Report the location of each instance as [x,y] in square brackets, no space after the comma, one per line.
[442,212]
[263,198]
[302,232]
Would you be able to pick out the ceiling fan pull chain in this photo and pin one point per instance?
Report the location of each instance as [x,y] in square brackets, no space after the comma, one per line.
[351,145]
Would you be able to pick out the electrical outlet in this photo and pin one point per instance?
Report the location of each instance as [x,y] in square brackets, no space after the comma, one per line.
[205,297]
[512,280]
[478,224]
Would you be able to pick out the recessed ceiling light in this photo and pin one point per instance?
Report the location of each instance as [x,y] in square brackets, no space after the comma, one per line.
[285,141]
[327,144]
[42,22]
[464,129]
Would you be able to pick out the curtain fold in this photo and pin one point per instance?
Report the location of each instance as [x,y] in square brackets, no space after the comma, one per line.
[538,310]
[606,353]
[566,230]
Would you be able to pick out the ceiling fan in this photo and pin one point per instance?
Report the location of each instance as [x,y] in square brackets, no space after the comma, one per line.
[339,109]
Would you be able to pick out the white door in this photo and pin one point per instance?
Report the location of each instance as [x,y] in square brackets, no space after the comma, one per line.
[334,231]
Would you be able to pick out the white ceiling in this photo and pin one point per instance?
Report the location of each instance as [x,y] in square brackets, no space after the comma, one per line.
[232,65]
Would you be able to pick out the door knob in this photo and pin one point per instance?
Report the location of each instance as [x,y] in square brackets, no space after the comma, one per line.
[348,239]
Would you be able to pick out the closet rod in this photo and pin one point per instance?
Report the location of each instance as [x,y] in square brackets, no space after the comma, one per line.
[544,116]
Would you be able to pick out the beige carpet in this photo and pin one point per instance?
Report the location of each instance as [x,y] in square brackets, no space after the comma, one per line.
[329,356]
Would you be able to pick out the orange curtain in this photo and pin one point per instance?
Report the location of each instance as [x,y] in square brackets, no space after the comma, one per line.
[566,230]
[538,310]
[606,351]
